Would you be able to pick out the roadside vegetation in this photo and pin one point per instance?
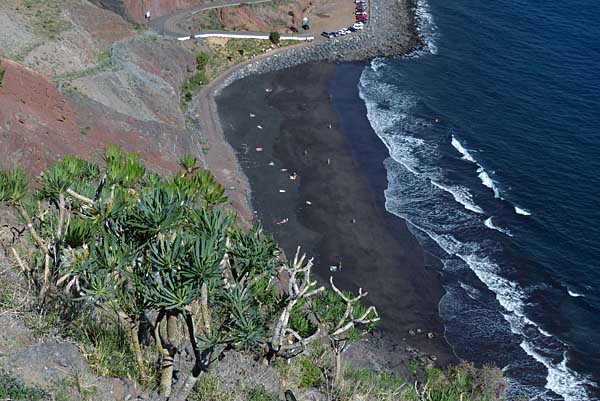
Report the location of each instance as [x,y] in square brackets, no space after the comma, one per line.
[140,269]
[224,53]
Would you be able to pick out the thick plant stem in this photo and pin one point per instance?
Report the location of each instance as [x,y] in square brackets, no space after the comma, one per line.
[204,308]
[188,385]
[338,369]
[46,279]
[36,237]
[132,328]
[169,350]
[201,364]
[20,262]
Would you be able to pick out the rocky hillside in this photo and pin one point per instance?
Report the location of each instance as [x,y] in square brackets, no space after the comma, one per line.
[85,78]
[134,10]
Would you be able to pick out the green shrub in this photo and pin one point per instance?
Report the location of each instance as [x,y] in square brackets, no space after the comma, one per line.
[202,60]
[13,389]
[464,382]
[106,346]
[208,388]
[274,37]
[2,71]
[260,394]
[311,375]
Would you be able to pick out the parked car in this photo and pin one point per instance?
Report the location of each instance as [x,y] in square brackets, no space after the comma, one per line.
[362,18]
[342,32]
[328,35]
[352,29]
[358,26]
[359,9]
[360,13]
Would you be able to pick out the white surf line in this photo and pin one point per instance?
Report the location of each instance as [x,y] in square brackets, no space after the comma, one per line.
[245,36]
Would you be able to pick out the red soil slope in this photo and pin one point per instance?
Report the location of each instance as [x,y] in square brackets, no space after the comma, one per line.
[38,126]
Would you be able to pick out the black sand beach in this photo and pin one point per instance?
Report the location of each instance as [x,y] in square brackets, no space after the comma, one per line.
[334,208]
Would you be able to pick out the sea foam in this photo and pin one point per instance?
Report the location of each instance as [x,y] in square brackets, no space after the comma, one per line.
[413,159]
[489,224]
[574,294]
[461,195]
[481,173]
[464,152]
[521,211]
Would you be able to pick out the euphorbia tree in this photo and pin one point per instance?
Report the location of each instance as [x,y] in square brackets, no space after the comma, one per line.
[167,250]
[344,319]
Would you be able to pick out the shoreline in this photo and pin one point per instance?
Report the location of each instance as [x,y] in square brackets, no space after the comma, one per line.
[291,128]
[402,343]
[393,21]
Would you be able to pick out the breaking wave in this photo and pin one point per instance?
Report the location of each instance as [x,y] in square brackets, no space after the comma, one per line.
[481,173]
[488,223]
[521,211]
[574,294]
[458,146]
[416,184]
[461,195]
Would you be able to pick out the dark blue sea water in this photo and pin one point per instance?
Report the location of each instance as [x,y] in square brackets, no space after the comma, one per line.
[494,137]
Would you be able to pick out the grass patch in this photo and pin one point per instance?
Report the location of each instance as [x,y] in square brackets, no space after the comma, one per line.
[223,56]
[190,87]
[380,385]
[103,59]
[105,345]
[236,51]
[208,388]
[260,394]
[13,389]
[463,382]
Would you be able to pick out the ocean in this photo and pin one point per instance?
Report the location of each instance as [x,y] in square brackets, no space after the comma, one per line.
[493,130]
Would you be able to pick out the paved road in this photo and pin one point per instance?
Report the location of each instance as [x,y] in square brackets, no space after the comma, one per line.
[168,25]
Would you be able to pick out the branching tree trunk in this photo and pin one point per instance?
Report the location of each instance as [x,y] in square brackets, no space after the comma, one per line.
[132,327]
[339,337]
[286,342]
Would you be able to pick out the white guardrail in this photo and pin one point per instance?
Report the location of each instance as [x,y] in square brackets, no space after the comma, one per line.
[245,36]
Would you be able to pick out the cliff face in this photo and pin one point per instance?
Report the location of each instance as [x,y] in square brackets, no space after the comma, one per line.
[134,10]
[36,123]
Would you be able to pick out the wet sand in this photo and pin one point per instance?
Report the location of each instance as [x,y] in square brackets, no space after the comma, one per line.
[334,208]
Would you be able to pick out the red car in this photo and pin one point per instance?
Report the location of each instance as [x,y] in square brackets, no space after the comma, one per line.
[360,9]
[362,18]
